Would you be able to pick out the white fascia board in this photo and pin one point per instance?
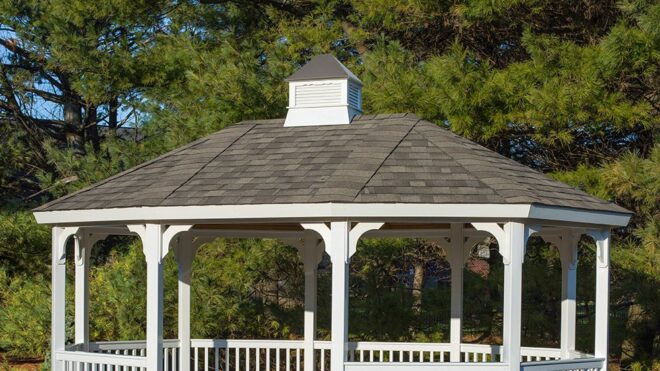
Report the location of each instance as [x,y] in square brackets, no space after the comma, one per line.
[542,212]
[328,211]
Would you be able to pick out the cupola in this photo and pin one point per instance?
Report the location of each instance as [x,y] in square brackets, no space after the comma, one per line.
[323,92]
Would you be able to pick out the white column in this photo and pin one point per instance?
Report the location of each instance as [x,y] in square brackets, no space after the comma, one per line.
[514,249]
[339,247]
[602,238]
[456,262]
[82,255]
[311,254]
[340,243]
[152,246]
[58,300]
[84,242]
[184,254]
[568,247]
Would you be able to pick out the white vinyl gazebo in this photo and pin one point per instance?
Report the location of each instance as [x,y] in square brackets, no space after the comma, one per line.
[320,180]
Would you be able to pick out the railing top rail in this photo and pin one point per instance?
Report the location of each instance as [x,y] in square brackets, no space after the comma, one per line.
[398,346]
[101,358]
[537,350]
[248,343]
[406,366]
[129,344]
[563,364]
[480,347]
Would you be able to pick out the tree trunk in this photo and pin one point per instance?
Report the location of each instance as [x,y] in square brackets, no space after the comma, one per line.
[112,114]
[92,128]
[72,111]
[74,132]
[417,286]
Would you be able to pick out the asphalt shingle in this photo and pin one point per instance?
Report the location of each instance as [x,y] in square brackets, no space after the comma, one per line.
[392,158]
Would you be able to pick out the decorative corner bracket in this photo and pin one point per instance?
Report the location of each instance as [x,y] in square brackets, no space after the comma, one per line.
[159,235]
[61,236]
[356,232]
[602,238]
[84,242]
[567,244]
[354,235]
[501,235]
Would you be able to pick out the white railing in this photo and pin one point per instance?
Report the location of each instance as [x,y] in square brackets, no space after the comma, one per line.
[363,351]
[289,355]
[406,366]
[480,353]
[322,355]
[586,364]
[88,361]
[138,348]
[534,354]
[268,355]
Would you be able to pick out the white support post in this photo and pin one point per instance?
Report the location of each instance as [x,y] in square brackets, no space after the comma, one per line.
[58,331]
[602,238]
[514,244]
[82,254]
[311,254]
[152,246]
[83,250]
[59,238]
[339,246]
[568,248]
[512,241]
[340,242]
[184,253]
[456,261]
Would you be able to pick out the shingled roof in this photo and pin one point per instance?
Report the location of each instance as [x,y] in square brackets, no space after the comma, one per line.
[321,67]
[394,158]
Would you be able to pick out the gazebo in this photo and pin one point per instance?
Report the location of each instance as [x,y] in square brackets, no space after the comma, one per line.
[320,180]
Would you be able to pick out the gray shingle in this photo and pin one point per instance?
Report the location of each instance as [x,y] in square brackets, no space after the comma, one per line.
[391,158]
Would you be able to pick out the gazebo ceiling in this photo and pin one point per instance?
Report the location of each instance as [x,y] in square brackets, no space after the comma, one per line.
[382,159]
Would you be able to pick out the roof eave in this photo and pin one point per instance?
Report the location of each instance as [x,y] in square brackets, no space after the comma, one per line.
[326,211]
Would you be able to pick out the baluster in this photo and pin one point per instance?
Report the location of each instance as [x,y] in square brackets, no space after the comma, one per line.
[227,353]
[238,358]
[258,358]
[216,358]
[206,359]
[297,359]
[196,358]
[288,359]
[268,360]
[247,359]
[277,359]
[322,359]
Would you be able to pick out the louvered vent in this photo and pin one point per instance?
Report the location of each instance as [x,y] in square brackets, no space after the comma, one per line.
[318,95]
[354,95]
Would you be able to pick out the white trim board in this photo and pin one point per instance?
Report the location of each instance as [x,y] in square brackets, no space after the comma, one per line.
[329,211]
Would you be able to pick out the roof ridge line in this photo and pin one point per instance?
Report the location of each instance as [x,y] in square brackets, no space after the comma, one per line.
[207,163]
[385,159]
[470,171]
[126,172]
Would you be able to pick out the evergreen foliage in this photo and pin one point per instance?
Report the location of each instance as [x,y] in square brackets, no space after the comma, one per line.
[571,88]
